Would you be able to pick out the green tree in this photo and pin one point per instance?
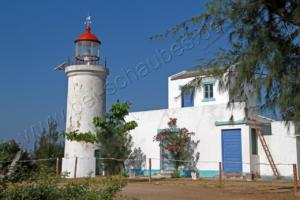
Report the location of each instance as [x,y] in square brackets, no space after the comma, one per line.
[179,144]
[21,170]
[136,161]
[264,51]
[49,145]
[114,138]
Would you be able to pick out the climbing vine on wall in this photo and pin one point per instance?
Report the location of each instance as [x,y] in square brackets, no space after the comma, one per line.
[80,137]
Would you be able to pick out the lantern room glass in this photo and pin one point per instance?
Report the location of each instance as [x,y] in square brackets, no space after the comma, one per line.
[87,52]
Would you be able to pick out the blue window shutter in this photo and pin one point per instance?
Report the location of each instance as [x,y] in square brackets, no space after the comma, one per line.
[187,99]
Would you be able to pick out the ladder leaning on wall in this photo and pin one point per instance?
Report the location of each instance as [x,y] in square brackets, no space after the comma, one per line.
[266,149]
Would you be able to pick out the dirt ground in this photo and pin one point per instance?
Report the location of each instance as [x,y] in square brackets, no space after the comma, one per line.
[209,190]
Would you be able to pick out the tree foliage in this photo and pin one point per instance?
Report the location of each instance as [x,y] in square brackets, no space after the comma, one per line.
[264,53]
[136,161]
[22,170]
[114,138]
[178,142]
[49,145]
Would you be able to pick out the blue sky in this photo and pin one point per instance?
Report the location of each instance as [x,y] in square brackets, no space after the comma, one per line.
[36,36]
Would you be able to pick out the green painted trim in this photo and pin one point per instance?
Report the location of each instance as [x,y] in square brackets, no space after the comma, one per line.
[208,82]
[172,129]
[183,173]
[159,130]
[208,99]
[237,122]
[208,173]
[181,86]
[153,172]
[200,173]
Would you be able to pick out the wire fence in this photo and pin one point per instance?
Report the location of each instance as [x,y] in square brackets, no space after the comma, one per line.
[123,160]
[157,166]
[153,168]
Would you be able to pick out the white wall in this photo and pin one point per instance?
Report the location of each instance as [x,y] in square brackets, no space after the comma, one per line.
[283,147]
[85,101]
[200,120]
[174,94]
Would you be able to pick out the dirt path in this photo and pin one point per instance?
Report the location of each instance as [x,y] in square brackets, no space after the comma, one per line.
[197,190]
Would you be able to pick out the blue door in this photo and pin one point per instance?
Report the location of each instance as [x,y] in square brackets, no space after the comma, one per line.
[232,151]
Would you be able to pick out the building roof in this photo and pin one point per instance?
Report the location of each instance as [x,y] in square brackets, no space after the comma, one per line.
[88,36]
[192,72]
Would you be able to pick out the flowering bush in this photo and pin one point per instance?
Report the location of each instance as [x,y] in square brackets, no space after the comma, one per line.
[179,144]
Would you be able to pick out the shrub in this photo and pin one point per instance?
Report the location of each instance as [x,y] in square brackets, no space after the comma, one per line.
[55,189]
[175,174]
[110,188]
[20,171]
[41,189]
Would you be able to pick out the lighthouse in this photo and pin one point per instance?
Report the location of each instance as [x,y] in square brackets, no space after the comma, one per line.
[86,99]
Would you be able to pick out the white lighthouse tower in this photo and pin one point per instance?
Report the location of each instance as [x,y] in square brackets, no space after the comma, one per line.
[86,100]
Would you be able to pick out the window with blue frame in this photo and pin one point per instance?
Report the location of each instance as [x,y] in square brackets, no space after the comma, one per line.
[187,98]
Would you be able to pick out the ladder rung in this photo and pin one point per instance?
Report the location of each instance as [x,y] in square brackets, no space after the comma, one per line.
[267,151]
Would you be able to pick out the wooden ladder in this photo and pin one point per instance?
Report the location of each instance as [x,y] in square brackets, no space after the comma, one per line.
[267,151]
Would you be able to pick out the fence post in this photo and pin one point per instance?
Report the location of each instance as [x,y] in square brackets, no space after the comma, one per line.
[220,173]
[57,167]
[150,166]
[295,178]
[75,167]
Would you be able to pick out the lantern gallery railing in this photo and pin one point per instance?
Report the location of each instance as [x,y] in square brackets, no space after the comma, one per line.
[98,61]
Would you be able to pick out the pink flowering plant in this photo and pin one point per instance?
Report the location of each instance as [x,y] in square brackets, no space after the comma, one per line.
[179,145]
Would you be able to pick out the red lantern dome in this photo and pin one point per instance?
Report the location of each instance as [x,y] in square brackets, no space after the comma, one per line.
[87,46]
[87,36]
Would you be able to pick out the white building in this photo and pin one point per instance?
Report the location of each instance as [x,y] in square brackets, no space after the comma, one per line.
[224,133]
